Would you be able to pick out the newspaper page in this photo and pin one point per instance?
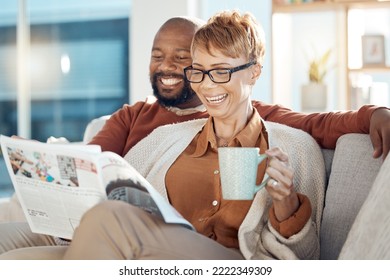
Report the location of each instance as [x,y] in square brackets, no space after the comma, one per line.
[57,183]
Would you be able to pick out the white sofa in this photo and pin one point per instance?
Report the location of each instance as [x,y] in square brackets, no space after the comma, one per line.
[350,170]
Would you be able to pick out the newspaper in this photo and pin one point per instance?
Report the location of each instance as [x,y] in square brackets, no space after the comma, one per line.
[57,183]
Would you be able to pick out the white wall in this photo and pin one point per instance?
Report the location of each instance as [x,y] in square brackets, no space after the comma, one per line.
[298,38]
[312,35]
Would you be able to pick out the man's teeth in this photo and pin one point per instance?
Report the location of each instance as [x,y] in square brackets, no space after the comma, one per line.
[217,99]
[170,82]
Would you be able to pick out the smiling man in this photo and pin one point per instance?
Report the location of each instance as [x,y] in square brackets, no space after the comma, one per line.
[170,55]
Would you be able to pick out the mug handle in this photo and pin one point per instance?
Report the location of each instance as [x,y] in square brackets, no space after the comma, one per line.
[266,178]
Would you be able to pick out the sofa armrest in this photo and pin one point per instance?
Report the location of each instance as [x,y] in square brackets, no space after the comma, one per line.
[94,127]
[352,175]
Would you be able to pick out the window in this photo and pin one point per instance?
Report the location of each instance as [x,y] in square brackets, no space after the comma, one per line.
[78,66]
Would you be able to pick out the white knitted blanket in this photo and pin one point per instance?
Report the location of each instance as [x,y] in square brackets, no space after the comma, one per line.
[153,156]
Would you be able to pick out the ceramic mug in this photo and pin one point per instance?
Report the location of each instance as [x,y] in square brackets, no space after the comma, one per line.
[238,171]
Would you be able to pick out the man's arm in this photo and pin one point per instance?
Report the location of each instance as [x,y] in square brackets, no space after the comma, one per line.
[112,137]
[327,127]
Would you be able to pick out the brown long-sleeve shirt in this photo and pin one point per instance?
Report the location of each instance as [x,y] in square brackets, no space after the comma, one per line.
[130,124]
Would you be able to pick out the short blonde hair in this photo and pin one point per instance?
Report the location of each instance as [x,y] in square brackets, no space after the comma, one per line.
[233,35]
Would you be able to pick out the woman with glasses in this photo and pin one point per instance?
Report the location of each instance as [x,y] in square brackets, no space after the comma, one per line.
[181,162]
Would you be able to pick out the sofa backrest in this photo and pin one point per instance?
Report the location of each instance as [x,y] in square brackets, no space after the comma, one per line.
[353,171]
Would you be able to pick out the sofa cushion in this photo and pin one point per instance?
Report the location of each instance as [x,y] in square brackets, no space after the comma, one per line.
[353,173]
[369,237]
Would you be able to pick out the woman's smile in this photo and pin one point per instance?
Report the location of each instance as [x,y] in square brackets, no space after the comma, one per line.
[216,99]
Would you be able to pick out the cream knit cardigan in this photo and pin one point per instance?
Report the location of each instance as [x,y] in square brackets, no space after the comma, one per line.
[153,156]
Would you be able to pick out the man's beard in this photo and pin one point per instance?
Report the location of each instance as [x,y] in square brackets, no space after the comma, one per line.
[182,97]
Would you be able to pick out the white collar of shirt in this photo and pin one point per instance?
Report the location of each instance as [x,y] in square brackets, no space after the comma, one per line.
[188,111]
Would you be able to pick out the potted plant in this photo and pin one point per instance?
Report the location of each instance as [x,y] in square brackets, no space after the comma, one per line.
[314,94]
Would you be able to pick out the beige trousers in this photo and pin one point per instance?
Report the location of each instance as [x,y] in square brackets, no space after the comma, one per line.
[115,230]
[18,242]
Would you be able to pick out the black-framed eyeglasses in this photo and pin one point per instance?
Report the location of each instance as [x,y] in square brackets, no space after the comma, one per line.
[217,75]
